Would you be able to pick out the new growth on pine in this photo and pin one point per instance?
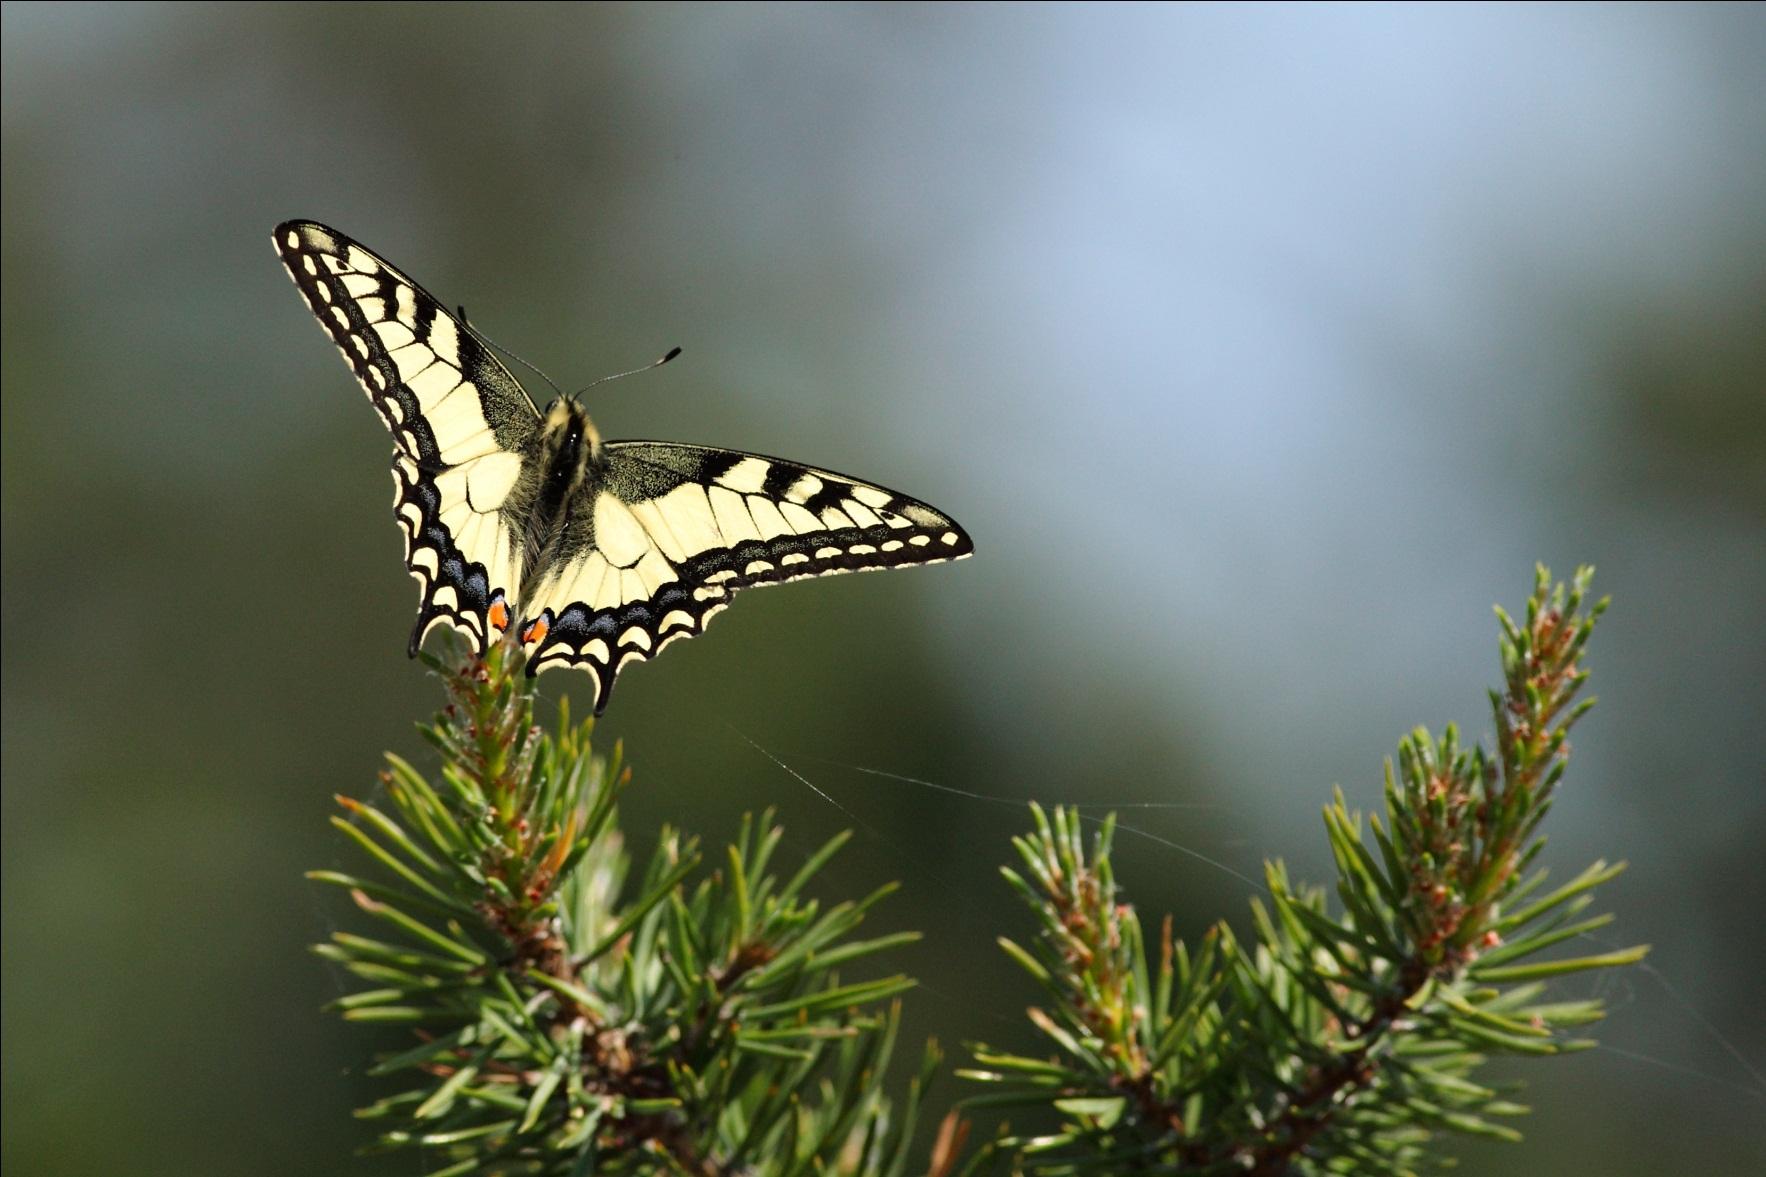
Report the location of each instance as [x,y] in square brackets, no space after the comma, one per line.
[571,1015]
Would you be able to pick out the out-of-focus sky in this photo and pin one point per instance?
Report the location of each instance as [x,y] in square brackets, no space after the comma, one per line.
[1261,350]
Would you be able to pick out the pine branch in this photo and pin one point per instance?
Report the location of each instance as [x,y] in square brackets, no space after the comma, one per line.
[570,1014]
[568,1017]
[1339,1040]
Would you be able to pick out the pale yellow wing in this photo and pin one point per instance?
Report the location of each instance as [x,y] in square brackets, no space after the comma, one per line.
[654,550]
[465,430]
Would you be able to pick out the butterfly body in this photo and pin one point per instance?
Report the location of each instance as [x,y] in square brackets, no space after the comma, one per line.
[590,553]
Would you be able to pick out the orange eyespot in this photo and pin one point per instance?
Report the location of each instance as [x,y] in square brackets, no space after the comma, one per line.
[537,629]
[498,614]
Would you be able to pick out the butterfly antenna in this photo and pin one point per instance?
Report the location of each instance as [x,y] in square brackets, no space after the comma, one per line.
[672,353]
[495,346]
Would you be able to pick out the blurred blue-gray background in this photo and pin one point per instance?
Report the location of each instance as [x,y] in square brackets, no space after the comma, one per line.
[1260,349]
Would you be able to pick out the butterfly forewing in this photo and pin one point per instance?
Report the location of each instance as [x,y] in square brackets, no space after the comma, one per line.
[461,423]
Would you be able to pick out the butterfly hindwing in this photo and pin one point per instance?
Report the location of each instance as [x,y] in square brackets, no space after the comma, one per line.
[659,544]
[466,562]
[464,429]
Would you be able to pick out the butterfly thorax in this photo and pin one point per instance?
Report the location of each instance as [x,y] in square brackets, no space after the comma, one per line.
[570,449]
[569,457]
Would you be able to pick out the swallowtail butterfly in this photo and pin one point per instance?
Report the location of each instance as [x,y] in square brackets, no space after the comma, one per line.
[590,553]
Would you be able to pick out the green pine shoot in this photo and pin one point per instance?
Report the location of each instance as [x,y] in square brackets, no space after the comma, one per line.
[1345,1036]
[569,1015]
